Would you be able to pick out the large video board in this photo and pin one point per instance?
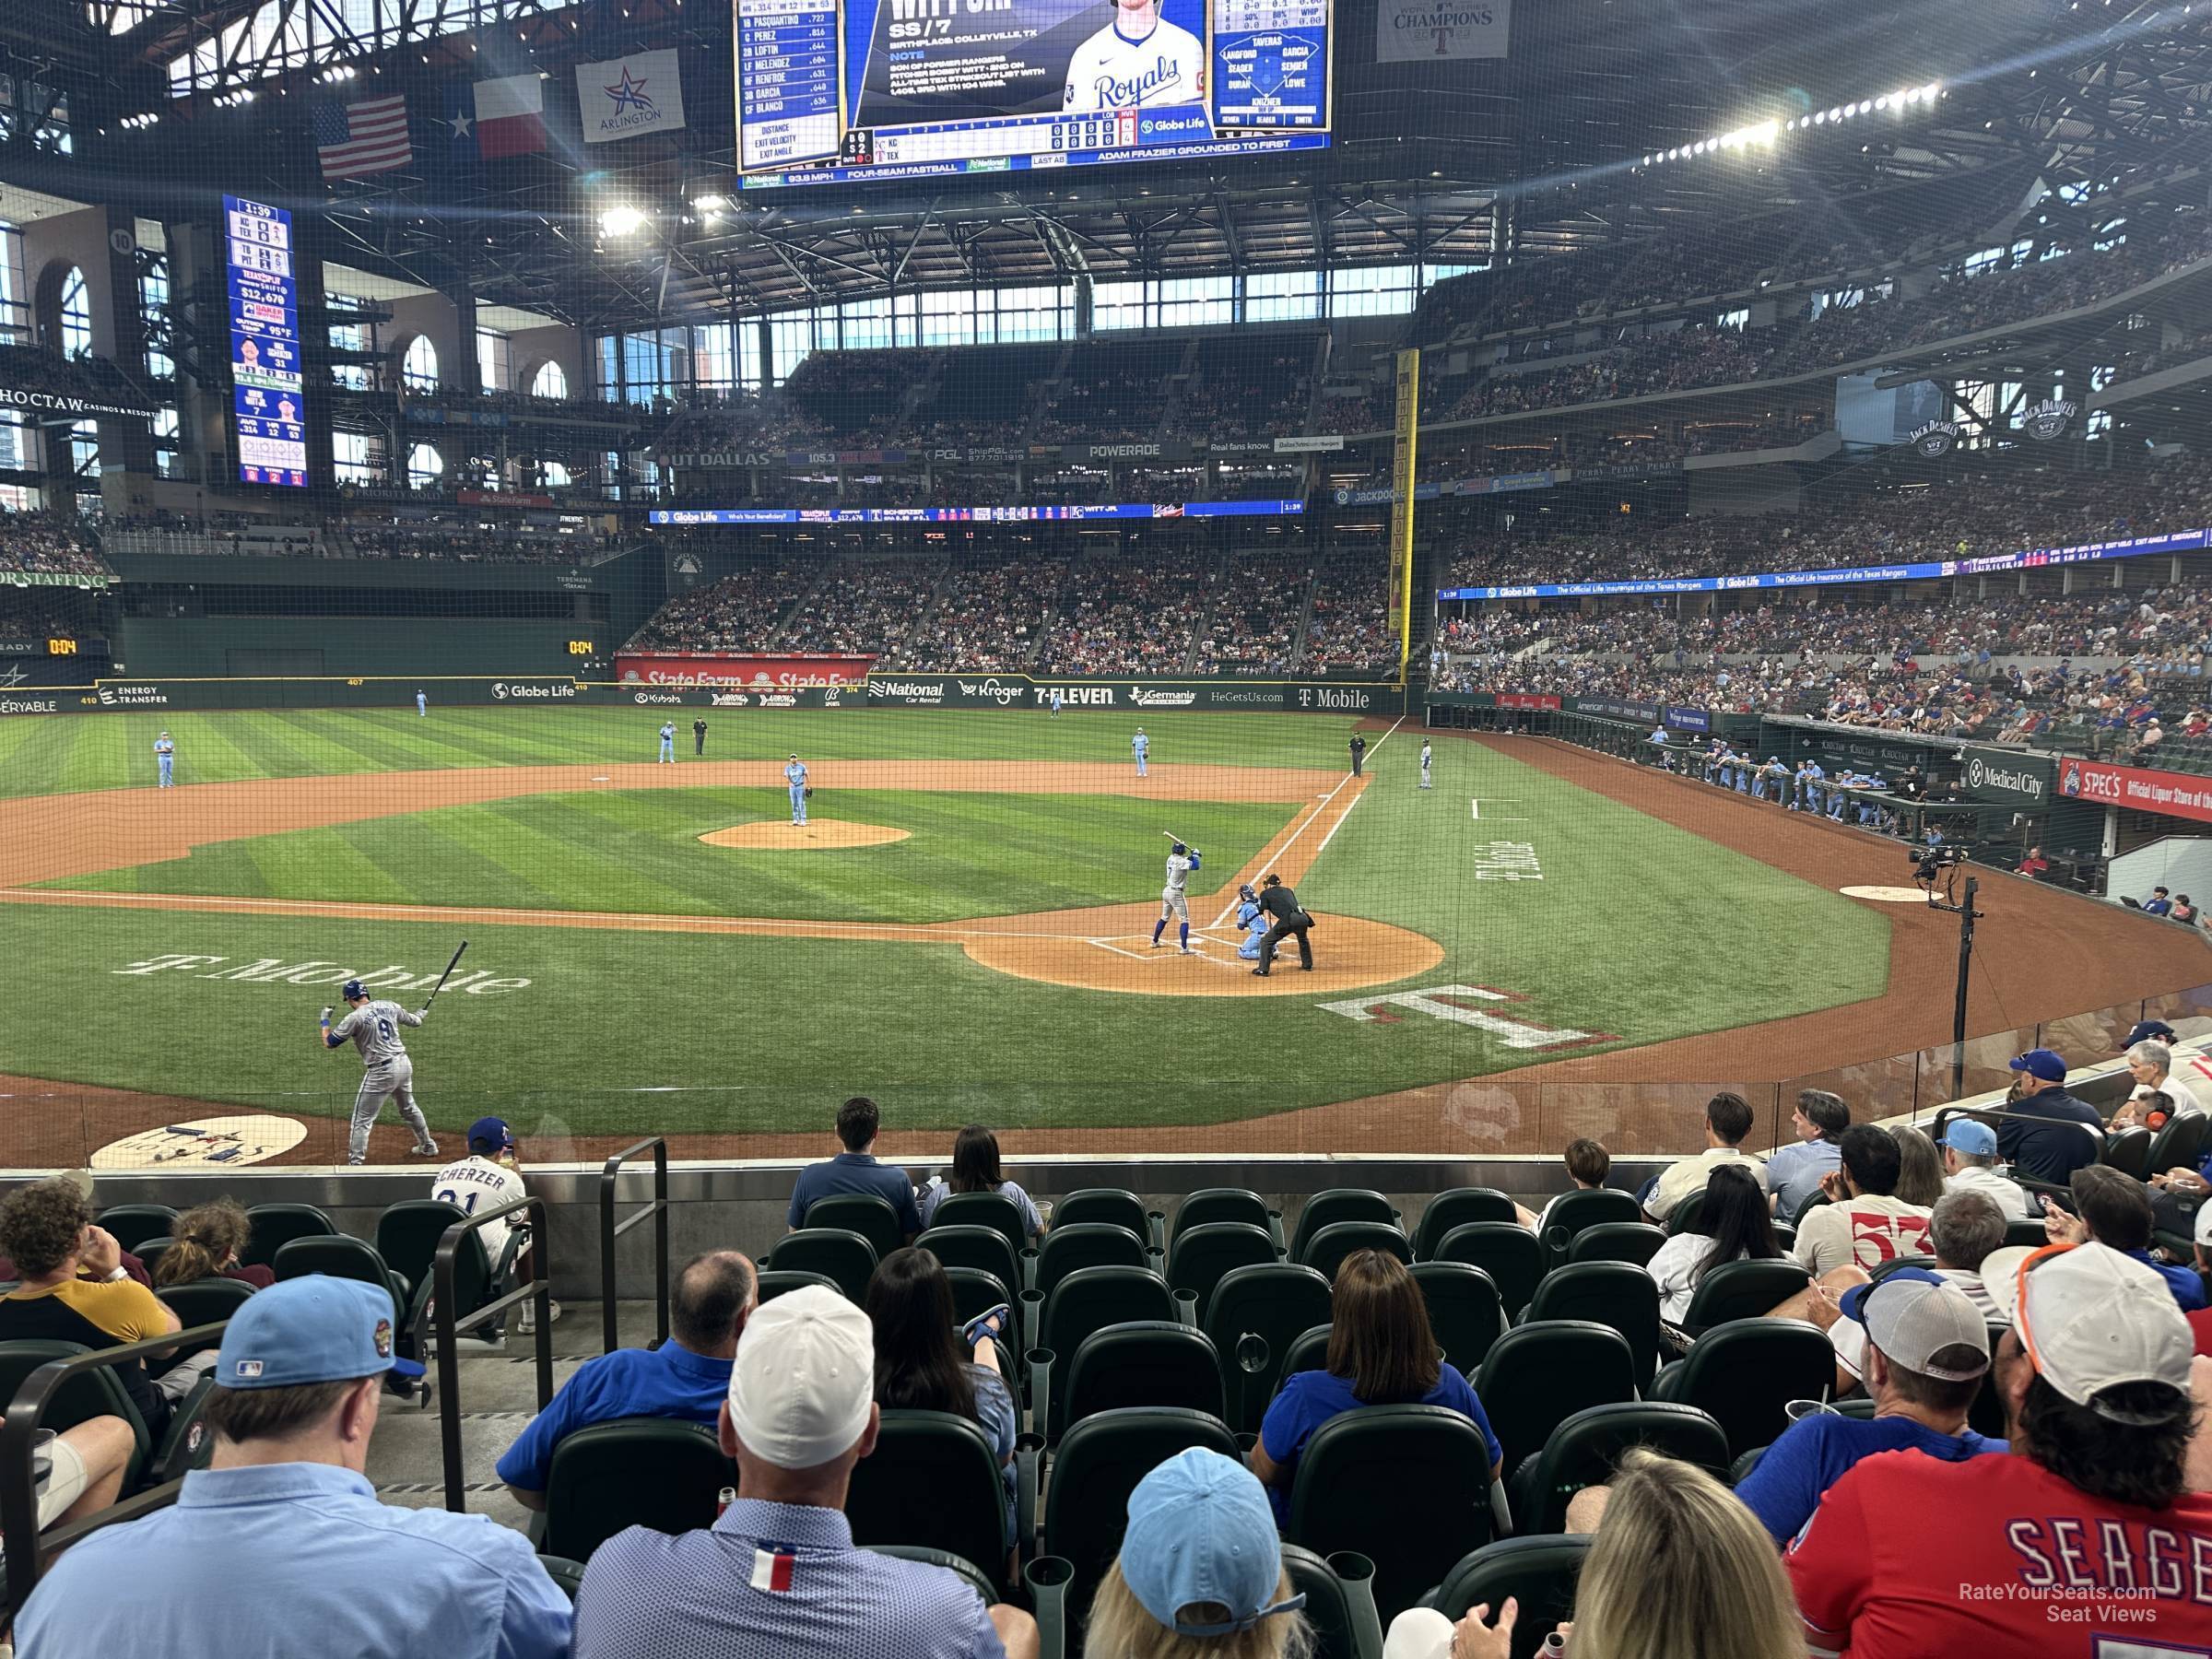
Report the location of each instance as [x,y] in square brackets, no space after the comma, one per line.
[829,92]
[269,413]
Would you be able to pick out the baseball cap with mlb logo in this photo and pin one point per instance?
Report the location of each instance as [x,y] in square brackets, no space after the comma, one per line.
[315,1329]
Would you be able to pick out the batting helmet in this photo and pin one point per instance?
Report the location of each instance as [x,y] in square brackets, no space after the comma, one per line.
[1181,848]
[353,989]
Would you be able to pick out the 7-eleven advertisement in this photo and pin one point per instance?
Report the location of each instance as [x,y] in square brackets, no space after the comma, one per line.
[712,668]
[2174,793]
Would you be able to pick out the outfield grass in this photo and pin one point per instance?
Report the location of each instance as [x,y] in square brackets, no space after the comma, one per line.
[59,753]
[639,850]
[1637,929]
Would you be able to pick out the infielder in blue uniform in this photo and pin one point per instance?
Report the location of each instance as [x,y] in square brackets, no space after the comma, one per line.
[422,705]
[794,774]
[1140,746]
[1174,900]
[668,741]
[165,758]
[1253,920]
[386,1072]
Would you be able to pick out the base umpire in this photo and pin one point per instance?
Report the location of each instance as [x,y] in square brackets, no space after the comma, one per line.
[1281,903]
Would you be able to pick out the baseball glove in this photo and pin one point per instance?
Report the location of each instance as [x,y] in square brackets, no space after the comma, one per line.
[810,792]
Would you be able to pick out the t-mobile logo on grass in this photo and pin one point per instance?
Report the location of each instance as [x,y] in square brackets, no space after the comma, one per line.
[1460,1005]
[275,970]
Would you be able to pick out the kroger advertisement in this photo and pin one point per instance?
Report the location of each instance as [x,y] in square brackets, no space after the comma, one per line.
[908,88]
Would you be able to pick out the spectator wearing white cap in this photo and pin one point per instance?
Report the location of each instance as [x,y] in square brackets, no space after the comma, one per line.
[279,1547]
[1200,1570]
[1925,1349]
[777,1573]
[1969,1165]
[2089,1522]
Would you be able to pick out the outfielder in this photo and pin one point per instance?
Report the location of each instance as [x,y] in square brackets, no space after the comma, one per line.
[165,758]
[386,1072]
[1255,921]
[668,742]
[794,774]
[1174,901]
[1426,782]
[1055,703]
[1140,746]
[422,705]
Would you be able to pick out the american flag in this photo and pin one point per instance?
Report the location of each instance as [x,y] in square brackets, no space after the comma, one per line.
[356,139]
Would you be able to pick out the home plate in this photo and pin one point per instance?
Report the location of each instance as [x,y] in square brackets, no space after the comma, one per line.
[1885,895]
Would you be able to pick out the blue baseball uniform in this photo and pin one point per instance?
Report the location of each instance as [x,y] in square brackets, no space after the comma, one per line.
[668,741]
[796,775]
[1138,746]
[165,758]
[1254,921]
[1055,703]
[422,705]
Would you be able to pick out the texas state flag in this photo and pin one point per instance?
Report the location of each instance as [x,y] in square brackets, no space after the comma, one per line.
[511,117]
[771,1570]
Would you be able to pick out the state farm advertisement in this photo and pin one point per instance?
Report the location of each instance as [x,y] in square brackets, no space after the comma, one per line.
[2173,794]
[710,668]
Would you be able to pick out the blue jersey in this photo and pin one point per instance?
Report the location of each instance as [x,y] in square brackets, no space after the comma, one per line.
[795,774]
[1140,743]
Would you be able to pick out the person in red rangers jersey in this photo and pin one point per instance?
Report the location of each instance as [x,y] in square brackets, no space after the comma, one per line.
[2083,1542]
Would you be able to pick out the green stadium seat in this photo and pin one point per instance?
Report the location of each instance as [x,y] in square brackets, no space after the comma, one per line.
[774,1282]
[202,1302]
[1340,1602]
[1115,1207]
[1309,1351]
[835,1253]
[1465,1313]
[273,1226]
[1584,1448]
[1254,1315]
[1199,1259]
[1742,1291]
[1098,1464]
[1745,1371]
[1090,1298]
[975,1292]
[984,1247]
[1537,1376]
[1615,1294]
[1157,1363]
[1635,1242]
[987,1209]
[1325,1251]
[342,1257]
[1684,1217]
[652,1472]
[1506,1251]
[864,1213]
[150,1251]
[1086,1244]
[933,1481]
[1538,1572]
[1209,1204]
[133,1223]
[1338,1204]
[1456,1208]
[1571,1213]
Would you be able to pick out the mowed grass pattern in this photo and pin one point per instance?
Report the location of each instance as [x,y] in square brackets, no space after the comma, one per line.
[639,850]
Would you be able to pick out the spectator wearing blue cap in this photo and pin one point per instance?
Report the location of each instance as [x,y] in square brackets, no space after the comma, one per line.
[1200,1564]
[2037,1137]
[330,1570]
[1926,1351]
[490,1178]
[1969,1165]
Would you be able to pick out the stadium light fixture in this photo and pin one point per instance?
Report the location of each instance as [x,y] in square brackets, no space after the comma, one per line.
[624,220]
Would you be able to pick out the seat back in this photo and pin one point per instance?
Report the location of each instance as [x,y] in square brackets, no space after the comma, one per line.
[1465,1313]
[340,1256]
[1309,1351]
[2129,1152]
[1254,1315]
[150,1251]
[984,1247]
[2181,1142]
[204,1301]
[1566,1217]
[632,1472]
[1538,1572]
[1333,1204]
[1408,1486]
[275,1225]
[1506,1251]
[1339,1595]
[1325,1251]
[995,1210]
[1614,1294]
[1209,1204]
[1199,1259]
[867,1214]
[1539,1375]
[1086,1244]
[132,1223]
[2025,1229]
[933,1480]
[1156,1362]
[408,1236]
[845,1257]
[1097,1465]
[1111,1204]
[1456,1208]
[1633,1242]
[1742,1291]
[89,1394]
[1684,1217]
[774,1282]
[1584,1450]
[1744,1372]
[1090,1298]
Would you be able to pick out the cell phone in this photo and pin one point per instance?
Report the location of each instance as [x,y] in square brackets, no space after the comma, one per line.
[2050,1204]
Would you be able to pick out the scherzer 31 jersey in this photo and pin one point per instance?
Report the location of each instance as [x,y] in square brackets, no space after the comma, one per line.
[374,1028]
[1111,71]
[476,1183]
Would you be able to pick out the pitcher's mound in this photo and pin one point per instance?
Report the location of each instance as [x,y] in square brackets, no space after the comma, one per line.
[821,835]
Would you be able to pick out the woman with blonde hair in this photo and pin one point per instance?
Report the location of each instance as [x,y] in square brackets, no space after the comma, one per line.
[1919,1167]
[210,1240]
[1678,1569]
[1200,1574]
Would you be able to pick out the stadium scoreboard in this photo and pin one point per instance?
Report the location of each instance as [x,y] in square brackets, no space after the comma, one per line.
[830,93]
[268,409]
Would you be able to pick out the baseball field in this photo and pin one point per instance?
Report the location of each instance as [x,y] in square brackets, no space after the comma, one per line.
[963,929]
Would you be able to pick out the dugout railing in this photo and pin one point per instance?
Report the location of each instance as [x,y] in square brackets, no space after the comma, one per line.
[656,1210]
[452,1327]
[29,1549]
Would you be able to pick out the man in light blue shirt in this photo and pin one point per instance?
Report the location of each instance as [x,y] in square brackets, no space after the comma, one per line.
[1794,1171]
[280,1548]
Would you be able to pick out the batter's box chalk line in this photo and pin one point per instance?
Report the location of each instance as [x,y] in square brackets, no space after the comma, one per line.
[1166,953]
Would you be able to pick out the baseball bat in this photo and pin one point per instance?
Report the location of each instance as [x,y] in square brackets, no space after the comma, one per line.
[1173,837]
[442,977]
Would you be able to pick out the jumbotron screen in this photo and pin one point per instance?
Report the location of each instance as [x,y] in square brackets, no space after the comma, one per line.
[918,89]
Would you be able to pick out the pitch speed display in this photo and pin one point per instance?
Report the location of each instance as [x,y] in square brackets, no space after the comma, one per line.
[917,89]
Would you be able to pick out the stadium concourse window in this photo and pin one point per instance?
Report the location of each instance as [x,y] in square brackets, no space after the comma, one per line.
[15,291]
[1282,296]
[553,474]
[418,369]
[495,366]
[551,381]
[18,452]
[352,461]
[426,466]
[76,315]
[84,453]
[349,337]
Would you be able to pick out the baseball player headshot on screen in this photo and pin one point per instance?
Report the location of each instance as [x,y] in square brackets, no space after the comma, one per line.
[387,1073]
[1137,59]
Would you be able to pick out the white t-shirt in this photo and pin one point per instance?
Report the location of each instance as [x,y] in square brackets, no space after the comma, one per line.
[2010,1196]
[2176,1087]
[477,1184]
[1111,71]
[1671,1266]
[1864,1232]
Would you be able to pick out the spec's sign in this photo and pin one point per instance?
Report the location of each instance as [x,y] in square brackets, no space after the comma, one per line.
[2173,794]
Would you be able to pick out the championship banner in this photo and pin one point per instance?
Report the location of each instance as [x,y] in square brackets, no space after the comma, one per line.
[630,96]
[1405,433]
[1406,33]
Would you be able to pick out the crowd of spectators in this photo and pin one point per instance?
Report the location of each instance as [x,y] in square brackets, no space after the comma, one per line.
[862,606]
[52,544]
[1254,625]
[1345,630]
[737,612]
[1126,616]
[39,614]
[990,616]
[1247,389]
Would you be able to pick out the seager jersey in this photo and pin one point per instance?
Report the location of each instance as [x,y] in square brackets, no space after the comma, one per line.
[374,1028]
[1110,71]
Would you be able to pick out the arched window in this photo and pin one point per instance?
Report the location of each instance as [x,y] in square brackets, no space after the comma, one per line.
[77,315]
[425,467]
[418,370]
[553,474]
[550,381]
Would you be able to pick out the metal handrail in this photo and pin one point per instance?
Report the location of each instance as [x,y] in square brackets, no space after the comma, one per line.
[27,1558]
[609,1231]
[453,1326]
[1945,1113]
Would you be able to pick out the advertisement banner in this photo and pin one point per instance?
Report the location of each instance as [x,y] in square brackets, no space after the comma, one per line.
[1687,720]
[900,690]
[2007,775]
[1305,446]
[628,96]
[1610,708]
[1441,28]
[1528,699]
[2172,793]
[676,668]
